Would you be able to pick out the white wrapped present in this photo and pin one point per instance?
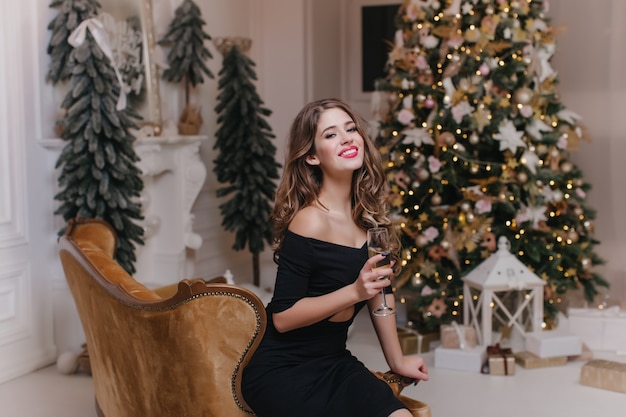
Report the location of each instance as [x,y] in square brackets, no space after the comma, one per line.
[469,360]
[553,343]
[603,330]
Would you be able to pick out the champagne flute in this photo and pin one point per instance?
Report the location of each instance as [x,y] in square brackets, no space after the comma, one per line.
[378,242]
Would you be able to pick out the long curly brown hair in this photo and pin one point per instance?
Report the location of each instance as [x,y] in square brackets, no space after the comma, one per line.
[301,182]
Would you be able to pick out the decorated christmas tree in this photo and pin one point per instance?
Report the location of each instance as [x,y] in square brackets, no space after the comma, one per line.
[98,177]
[186,57]
[71,13]
[478,145]
[246,155]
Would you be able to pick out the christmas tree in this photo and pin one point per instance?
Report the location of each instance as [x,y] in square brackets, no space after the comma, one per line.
[98,176]
[478,146]
[71,13]
[187,54]
[246,159]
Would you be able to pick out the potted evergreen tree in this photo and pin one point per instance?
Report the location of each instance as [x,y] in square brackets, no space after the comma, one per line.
[186,57]
[246,156]
[99,178]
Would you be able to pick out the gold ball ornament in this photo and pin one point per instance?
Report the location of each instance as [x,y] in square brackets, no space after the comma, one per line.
[423,174]
[567,167]
[523,95]
[435,199]
[474,139]
[522,177]
[554,153]
[573,236]
[446,138]
[542,149]
[472,35]
[585,263]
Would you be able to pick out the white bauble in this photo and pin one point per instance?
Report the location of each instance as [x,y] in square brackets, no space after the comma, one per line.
[67,363]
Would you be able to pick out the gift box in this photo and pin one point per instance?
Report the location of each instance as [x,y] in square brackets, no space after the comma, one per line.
[469,360]
[553,343]
[530,360]
[412,342]
[408,341]
[426,341]
[500,361]
[456,336]
[603,330]
[604,374]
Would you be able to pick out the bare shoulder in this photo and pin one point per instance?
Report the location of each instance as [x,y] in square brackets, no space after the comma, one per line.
[309,222]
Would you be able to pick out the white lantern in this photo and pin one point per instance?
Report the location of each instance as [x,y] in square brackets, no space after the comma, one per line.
[483,286]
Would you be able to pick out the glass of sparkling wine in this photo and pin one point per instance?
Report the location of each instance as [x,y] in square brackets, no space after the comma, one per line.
[378,242]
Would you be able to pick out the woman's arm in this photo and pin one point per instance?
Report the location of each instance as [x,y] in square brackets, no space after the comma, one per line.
[309,310]
[412,366]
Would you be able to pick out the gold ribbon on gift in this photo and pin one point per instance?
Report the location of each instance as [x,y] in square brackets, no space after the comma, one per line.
[460,333]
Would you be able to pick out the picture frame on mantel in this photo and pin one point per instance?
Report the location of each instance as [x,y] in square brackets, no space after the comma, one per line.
[130,29]
[147,103]
[370,25]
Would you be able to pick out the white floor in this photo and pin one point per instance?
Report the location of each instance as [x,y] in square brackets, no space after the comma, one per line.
[530,392]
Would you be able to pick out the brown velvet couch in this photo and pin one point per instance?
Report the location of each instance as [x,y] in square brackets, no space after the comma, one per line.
[174,351]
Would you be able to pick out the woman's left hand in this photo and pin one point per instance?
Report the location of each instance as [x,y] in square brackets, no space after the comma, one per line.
[413,367]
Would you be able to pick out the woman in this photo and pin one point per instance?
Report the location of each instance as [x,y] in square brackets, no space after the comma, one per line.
[331,192]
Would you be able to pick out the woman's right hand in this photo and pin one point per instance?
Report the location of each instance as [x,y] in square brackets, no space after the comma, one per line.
[368,284]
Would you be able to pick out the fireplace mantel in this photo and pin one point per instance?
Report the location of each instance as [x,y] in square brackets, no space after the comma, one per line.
[173,176]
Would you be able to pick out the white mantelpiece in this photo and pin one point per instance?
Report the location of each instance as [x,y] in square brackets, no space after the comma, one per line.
[173,175]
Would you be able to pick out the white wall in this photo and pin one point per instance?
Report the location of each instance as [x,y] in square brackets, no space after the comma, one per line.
[591,64]
[276,28]
[27,255]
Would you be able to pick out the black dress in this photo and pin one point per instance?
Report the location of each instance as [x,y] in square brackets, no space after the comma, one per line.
[308,371]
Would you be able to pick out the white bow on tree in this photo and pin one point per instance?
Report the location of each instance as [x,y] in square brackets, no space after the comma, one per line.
[77,38]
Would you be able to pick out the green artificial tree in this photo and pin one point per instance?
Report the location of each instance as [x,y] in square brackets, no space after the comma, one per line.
[71,14]
[478,145]
[98,177]
[185,38]
[246,159]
